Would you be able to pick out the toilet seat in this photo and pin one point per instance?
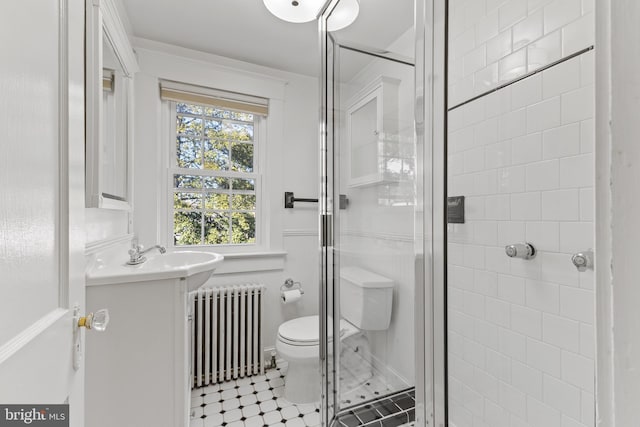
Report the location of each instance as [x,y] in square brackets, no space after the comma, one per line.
[304,331]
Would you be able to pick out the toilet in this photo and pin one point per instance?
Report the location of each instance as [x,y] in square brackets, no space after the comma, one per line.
[365,305]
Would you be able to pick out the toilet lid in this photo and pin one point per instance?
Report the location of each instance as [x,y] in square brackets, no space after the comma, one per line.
[304,330]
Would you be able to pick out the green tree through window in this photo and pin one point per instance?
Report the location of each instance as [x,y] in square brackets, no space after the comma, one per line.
[214,185]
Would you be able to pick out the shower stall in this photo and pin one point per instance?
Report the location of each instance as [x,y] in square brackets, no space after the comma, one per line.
[465,149]
[377,216]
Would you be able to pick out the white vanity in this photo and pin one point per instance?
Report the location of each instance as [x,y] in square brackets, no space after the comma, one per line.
[137,371]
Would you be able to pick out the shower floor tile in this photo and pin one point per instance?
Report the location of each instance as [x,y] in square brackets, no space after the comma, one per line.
[355,390]
[392,411]
[360,381]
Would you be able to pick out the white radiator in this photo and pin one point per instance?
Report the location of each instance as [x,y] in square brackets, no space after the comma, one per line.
[226,333]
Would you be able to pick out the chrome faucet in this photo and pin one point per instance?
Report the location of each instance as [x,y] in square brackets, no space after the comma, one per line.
[137,251]
[520,250]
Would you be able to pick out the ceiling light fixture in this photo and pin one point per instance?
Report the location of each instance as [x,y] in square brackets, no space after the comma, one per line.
[343,15]
[299,11]
[296,11]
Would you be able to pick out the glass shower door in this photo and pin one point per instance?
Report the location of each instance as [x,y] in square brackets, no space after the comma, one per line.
[372,234]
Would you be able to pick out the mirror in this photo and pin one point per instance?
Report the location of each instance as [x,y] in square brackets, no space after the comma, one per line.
[110,67]
[113,127]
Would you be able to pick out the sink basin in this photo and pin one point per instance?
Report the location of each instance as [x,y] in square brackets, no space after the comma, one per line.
[194,266]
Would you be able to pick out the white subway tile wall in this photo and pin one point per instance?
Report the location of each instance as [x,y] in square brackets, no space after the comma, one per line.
[521,336]
[495,41]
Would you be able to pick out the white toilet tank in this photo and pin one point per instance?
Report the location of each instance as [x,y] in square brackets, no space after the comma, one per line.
[365,298]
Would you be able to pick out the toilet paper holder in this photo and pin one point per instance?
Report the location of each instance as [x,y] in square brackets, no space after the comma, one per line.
[289,285]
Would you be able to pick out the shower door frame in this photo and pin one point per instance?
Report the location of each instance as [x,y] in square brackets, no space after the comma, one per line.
[430,236]
[432,28]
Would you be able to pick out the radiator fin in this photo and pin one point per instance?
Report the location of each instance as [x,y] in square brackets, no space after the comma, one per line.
[226,333]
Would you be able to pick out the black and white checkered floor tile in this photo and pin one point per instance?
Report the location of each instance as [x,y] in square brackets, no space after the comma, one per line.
[257,402]
[250,402]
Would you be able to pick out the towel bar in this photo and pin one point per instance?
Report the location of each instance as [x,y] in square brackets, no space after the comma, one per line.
[290,199]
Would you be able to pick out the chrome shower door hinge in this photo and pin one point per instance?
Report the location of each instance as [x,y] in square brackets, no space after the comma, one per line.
[326,230]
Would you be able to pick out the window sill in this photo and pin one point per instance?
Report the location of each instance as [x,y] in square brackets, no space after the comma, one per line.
[248,262]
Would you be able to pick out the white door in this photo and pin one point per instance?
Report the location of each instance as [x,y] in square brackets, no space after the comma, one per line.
[41,200]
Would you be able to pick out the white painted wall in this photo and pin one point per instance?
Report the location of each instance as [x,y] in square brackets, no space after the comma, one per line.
[495,41]
[521,333]
[104,224]
[292,165]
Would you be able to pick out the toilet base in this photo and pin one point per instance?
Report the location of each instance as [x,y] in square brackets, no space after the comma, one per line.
[302,382]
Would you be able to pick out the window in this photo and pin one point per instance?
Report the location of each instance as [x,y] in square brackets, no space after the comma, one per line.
[215,175]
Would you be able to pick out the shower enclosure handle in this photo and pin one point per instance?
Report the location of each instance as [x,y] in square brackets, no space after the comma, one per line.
[583,260]
[520,250]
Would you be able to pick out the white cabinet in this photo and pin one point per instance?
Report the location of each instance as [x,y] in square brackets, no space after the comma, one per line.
[137,371]
[377,153]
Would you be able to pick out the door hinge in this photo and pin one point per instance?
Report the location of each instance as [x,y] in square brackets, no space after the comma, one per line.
[327,230]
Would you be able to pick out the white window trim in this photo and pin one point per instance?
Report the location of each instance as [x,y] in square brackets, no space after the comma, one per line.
[237,252]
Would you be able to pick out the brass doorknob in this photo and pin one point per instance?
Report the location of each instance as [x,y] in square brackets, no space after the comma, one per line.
[97,321]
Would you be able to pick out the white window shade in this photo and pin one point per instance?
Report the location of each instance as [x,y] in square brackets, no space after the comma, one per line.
[181,92]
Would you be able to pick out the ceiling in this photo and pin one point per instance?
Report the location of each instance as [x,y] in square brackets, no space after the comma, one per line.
[245,30]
